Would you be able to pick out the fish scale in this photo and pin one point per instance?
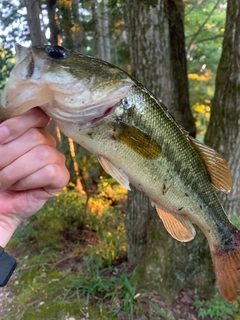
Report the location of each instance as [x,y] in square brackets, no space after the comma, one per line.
[195,182]
[136,141]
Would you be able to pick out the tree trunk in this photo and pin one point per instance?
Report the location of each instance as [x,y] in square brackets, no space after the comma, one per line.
[106,37]
[180,107]
[223,133]
[157,50]
[76,27]
[103,31]
[95,29]
[53,23]
[34,23]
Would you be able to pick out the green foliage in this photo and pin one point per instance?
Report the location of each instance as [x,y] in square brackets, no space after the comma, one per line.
[119,46]
[64,211]
[215,308]
[204,31]
[66,270]
[7,61]
[235,219]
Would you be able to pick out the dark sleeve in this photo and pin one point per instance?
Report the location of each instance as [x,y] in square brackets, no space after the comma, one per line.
[7,266]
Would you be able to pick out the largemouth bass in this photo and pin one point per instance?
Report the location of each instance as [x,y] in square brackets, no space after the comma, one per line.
[136,141]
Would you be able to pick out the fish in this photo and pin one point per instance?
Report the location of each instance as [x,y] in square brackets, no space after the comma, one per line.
[136,140]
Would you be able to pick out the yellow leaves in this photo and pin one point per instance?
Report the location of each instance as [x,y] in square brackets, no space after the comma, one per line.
[203,77]
[110,194]
[65,3]
[201,108]
[209,25]
[202,115]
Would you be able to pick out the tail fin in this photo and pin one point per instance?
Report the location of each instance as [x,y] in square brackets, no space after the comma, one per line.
[227,269]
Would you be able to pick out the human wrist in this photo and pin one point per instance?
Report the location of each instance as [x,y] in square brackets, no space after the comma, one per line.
[6,232]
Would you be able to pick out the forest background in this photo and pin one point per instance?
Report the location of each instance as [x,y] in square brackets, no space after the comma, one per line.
[77,256]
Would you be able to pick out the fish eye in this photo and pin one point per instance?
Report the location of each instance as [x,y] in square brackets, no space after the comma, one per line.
[56,52]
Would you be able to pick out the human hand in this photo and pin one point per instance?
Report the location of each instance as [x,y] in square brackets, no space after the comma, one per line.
[31,169]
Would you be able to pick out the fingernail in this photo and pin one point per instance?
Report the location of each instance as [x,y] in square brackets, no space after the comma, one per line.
[4,133]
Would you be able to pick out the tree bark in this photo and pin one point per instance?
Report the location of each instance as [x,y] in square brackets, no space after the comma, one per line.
[158,60]
[53,23]
[223,133]
[76,27]
[180,107]
[95,29]
[34,23]
[103,32]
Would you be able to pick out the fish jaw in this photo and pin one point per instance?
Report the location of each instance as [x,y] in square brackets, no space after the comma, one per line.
[24,89]
[62,92]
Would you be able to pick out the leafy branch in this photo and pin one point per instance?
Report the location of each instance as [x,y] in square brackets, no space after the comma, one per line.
[201,28]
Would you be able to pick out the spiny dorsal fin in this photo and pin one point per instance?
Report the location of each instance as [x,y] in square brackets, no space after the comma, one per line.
[179,227]
[116,173]
[220,175]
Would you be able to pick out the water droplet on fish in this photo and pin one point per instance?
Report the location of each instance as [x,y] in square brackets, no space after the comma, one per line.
[119,111]
[125,103]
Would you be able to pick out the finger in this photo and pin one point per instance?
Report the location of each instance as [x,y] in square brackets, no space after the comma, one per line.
[52,177]
[35,159]
[15,127]
[23,144]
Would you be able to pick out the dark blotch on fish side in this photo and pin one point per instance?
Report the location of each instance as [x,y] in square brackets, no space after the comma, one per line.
[164,189]
[136,140]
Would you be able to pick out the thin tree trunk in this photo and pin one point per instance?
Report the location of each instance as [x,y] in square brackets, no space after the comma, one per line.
[223,133]
[180,107]
[76,27]
[53,23]
[106,37]
[95,29]
[102,34]
[100,27]
[34,23]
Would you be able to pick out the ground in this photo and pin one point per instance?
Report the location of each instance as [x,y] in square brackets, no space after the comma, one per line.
[73,266]
[181,308]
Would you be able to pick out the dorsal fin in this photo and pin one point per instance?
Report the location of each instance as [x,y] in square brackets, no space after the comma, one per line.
[115,172]
[179,226]
[219,172]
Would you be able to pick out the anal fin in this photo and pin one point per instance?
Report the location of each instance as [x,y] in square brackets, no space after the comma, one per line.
[115,172]
[179,226]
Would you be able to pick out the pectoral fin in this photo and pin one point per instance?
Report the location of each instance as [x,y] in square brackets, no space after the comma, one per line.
[219,172]
[115,172]
[179,227]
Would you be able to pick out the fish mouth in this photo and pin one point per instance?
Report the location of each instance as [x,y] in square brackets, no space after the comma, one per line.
[106,113]
[63,95]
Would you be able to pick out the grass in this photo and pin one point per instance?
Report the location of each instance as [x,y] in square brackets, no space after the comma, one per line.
[68,268]
[215,308]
